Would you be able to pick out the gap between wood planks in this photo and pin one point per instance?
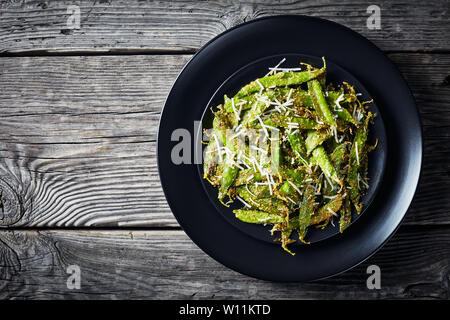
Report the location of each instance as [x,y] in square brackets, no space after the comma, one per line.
[129,52]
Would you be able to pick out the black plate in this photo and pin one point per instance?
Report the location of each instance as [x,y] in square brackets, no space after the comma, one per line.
[275,36]
[335,75]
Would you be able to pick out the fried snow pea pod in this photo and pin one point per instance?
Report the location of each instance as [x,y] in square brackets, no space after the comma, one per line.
[281,79]
[315,138]
[281,120]
[230,171]
[338,156]
[252,115]
[334,99]
[302,98]
[356,153]
[322,159]
[271,205]
[364,167]
[232,105]
[305,212]
[228,176]
[210,161]
[343,114]
[253,191]
[346,216]
[220,125]
[298,144]
[291,187]
[235,104]
[363,170]
[260,191]
[327,211]
[248,176]
[337,159]
[256,216]
[296,175]
[320,103]
[288,190]
[275,150]
[216,179]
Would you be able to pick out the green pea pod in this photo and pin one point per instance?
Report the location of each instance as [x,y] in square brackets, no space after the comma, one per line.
[209,162]
[275,153]
[302,98]
[338,156]
[294,177]
[298,145]
[315,138]
[343,114]
[228,176]
[346,216]
[220,126]
[322,159]
[327,211]
[281,79]
[287,190]
[229,102]
[249,101]
[230,172]
[248,176]
[320,103]
[306,211]
[250,118]
[363,169]
[281,120]
[256,216]
[270,204]
[356,154]
[253,191]
[339,110]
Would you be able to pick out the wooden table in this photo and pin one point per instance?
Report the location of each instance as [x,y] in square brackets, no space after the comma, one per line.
[78,174]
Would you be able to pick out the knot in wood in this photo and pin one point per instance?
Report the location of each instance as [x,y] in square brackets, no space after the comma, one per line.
[10,208]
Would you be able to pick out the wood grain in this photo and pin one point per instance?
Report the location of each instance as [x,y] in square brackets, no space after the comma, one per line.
[30,27]
[79,137]
[167,265]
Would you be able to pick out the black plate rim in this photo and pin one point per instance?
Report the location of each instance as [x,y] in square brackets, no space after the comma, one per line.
[419,146]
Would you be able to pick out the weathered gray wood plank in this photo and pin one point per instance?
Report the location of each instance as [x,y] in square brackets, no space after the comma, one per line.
[167,265]
[31,26]
[78,139]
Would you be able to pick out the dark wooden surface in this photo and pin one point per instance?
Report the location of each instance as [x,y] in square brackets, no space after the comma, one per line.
[78,121]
